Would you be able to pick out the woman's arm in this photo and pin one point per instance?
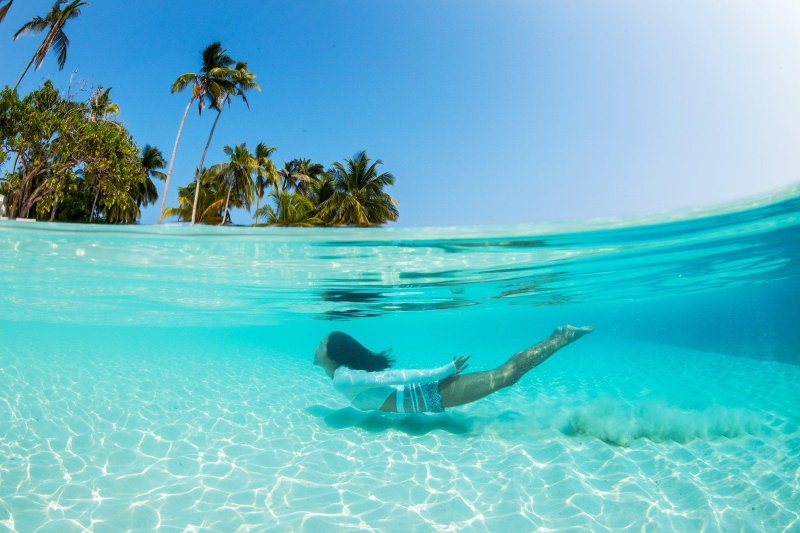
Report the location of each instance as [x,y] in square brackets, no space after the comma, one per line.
[355,378]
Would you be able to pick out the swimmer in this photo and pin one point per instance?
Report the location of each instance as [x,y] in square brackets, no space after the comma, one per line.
[362,376]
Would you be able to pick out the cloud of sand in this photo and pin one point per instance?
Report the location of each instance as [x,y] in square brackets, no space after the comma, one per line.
[621,423]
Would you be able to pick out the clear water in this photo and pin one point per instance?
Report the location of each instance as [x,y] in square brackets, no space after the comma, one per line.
[162,377]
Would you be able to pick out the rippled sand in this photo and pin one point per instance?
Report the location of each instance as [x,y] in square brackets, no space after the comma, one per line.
[638,435]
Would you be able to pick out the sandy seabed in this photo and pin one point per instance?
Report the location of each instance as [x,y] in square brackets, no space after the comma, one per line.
[620,437]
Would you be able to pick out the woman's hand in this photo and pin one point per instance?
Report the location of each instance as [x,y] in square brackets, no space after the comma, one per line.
[461,363]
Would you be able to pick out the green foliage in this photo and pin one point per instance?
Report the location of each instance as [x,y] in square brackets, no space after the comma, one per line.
[63,151]
[299,174]
[152,162]
[290,209]
[235,177]
[100,105]
[357,198]
[212,82]
[210,200]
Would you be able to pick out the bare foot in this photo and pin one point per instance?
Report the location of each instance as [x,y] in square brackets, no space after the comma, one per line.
[572,333]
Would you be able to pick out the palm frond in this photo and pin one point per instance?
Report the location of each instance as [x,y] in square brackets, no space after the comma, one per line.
[73,9]
[35,25]
[182,81]
[215,208]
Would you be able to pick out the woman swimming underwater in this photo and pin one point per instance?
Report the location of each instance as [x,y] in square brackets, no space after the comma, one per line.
[362,376]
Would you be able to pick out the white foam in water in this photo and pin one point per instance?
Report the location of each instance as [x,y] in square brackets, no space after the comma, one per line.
[599,439]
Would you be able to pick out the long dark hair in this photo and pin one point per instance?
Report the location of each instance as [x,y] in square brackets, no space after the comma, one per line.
[348,352]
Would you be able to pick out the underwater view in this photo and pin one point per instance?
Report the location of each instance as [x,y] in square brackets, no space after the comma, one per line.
[163,377]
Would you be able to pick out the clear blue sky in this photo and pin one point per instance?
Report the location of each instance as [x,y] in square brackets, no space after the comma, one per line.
[486,112]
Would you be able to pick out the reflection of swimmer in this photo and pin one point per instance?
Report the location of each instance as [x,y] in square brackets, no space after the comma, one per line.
[362,376]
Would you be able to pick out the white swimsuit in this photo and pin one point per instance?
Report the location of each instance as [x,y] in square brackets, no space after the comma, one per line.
[368,390]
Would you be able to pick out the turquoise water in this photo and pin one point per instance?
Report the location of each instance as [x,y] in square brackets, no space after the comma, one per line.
[161,376]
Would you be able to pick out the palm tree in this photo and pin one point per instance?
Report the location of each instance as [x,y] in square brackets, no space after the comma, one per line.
[241,80]
[152,161]
[291,209]
[210,203]
[308,173]
[146,192]
[266,174]
[4,10]
[319,192]
[236,177]
[212,80]
[100,105]
[358,197]
[56,19]
[299,174]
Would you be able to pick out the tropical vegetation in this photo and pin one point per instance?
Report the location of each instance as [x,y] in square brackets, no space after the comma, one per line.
[209,83]
[68,160]
[237,82]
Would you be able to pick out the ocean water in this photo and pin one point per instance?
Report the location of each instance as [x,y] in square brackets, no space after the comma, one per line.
[162,378]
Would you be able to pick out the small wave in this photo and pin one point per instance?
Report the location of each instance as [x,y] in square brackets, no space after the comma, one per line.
[621,423]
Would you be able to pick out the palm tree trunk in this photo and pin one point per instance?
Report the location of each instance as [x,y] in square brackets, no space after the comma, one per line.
[53,211]
[200,167]
[94,204]
[258,204]
[225,211]
[41,52]
[172,161]
[25,72]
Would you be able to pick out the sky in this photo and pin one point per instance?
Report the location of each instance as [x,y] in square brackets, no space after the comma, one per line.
[508,112]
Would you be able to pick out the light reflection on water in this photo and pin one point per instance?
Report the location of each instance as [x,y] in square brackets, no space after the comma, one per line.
[235,276]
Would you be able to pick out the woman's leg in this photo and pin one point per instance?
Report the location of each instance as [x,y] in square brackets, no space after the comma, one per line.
[465,388]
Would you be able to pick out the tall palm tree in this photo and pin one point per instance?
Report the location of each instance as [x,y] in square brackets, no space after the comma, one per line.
[266,174]
[358,197]
[212,80]
[241,80]
[236,177]
[55,19]
[4,10]
[100,105]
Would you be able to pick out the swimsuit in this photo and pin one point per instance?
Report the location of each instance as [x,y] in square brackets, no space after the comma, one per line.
[419,398]
[417,390]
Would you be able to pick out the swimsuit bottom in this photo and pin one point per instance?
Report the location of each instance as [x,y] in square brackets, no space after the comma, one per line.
[419,398]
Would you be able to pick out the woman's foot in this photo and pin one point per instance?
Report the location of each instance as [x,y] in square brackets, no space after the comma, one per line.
[572,333]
